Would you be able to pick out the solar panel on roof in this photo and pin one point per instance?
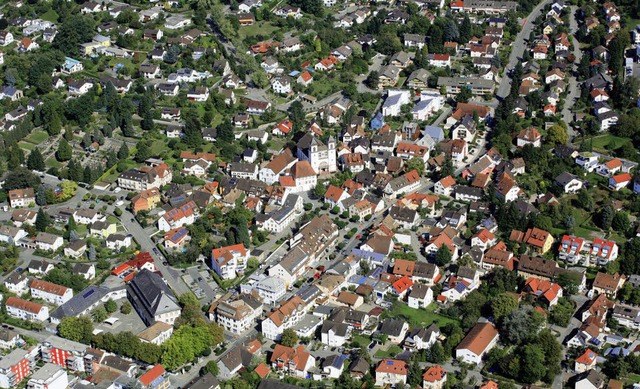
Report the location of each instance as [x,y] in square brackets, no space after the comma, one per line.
[87,294]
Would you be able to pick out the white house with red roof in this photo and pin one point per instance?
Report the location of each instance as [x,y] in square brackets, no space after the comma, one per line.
[482,338]
[598,252]
[391,372]
[129,269]
[439,60]
[610,167]
[444,187]
[230,261]
[434,378]
[586,361]
[401,287]
[483,239]
[283,128]
[546,291]
[305,78]
[619,181]
[155,378]
[185,214]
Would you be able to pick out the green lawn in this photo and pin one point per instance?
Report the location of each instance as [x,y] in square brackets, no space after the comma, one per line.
[608,142]
[633,378]
[52,162]
[158,147]
[363,341]
[389,353]
[26,145]
[37,137]
[419,317]
[50,15]
[260,28]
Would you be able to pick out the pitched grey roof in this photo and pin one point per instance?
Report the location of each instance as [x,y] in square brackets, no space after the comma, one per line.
[339,329]
[150,296]
[392,327]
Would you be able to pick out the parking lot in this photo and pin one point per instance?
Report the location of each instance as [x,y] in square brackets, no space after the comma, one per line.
[201,282]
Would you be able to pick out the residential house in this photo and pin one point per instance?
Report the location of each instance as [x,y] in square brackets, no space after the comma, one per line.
[392,372]
[478,341]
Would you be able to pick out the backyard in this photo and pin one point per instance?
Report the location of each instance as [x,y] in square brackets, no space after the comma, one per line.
[419,317]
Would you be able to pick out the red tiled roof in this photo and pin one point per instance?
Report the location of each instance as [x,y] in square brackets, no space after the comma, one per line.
[392,366]
[148,377]
[434,374]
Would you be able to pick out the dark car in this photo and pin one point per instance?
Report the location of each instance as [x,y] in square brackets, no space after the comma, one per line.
[165,263]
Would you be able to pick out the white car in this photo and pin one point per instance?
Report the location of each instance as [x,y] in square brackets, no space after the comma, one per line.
[117,190]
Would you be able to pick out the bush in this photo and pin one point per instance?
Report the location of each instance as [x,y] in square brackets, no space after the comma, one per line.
[117,212]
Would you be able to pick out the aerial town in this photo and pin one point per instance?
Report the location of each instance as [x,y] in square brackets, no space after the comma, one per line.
[281,194]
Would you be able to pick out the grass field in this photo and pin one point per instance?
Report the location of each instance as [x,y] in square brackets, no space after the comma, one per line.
[50,15]
[261,28]
[52,162]
[391,352]
[37,137]
[363,341]
[158,147]
[26,145]
[419,317]
[608,142]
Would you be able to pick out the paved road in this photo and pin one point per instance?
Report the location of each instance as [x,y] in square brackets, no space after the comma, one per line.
[573,92]
[517,49]
[172,276]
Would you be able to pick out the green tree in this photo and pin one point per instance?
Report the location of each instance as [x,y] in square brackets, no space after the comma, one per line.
[521,325]
[464,95]
[111,306]
[289,338]
[319,190]
[73,31]
[36,161]
[193,132]
[41,195]
[143,151]
[532,366]
[99,314]
[20,178]
[372,80]
[64,152]
[447,168]
[212,367]
[558,135]
[443,256]
[562,312]
[621,222]
[123,152]
[126,308]
[191,314]
[225,132]
[416,164]
[42,220]
[76,328]
[76,173]
[502,305]
[260,79]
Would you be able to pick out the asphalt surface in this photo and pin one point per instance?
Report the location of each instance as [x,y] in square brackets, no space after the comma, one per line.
[517,48]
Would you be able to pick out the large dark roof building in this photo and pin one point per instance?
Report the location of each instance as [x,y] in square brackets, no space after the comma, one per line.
[152,299]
